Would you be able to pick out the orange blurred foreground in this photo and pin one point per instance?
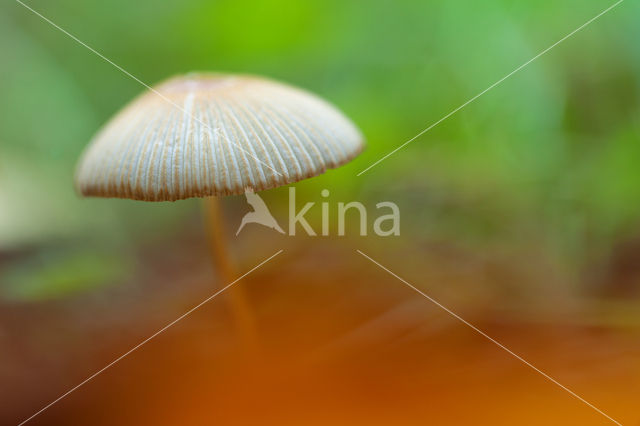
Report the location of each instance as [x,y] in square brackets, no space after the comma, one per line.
[345,345]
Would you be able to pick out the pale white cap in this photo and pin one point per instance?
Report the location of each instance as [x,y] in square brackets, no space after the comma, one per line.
[215,134]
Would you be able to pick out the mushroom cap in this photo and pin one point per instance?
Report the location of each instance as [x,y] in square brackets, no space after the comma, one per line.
[200,135]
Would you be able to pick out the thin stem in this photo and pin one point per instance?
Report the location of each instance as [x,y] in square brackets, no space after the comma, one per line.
[221,260]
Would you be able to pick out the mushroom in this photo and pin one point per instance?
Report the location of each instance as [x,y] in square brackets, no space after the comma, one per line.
[209,135]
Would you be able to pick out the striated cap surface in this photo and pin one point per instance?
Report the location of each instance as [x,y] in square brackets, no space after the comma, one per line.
[215,134]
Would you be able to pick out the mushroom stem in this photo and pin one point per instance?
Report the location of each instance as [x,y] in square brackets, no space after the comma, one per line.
[221,260]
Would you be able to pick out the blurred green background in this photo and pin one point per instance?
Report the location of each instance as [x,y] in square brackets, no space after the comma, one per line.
[544,167]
